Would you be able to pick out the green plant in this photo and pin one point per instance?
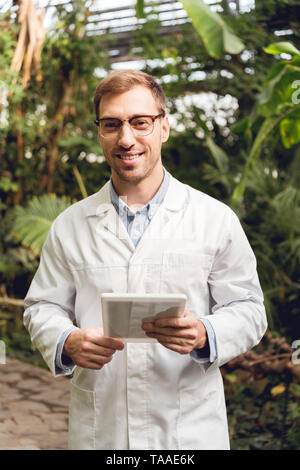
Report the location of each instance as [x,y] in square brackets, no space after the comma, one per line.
[277,107]
[32,223]
[217,36]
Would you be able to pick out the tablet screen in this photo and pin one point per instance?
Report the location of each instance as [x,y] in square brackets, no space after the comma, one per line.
[123,314]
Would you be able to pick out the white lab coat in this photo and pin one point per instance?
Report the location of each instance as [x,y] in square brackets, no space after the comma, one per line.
[148,397]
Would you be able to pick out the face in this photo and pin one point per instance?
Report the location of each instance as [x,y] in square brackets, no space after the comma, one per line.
[146,150]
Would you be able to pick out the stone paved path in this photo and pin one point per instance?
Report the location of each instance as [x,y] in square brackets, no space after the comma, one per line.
[33,408]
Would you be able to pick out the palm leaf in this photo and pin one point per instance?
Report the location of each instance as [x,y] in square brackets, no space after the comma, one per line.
[280,47]
[215,33]
[32,223]
[139,9]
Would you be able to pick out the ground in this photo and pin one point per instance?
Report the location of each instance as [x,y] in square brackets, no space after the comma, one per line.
[33,408]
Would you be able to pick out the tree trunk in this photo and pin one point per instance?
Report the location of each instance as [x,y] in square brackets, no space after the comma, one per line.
[20,157]
[51,164]
[65,109]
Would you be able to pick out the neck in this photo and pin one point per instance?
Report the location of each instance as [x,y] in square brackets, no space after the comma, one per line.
[139,192]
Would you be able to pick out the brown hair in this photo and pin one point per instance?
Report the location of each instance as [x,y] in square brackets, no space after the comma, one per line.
[120,81]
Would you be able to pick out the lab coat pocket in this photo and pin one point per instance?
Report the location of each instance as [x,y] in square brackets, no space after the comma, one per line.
[81,419]
[203,421]
[185,272]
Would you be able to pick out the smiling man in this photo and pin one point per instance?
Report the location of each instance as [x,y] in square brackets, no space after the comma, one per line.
[133,147]
[144,232]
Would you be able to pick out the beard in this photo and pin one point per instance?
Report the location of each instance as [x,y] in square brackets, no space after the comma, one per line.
[130,174]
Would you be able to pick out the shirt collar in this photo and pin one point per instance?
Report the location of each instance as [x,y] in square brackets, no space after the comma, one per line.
[151,206]
[176,199]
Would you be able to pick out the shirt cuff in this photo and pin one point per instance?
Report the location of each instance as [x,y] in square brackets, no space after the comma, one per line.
[209,353]
[63,363]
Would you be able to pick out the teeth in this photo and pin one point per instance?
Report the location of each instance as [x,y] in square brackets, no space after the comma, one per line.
[127,157]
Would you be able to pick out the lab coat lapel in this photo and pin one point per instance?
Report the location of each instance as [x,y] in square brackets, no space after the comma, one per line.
[108,221]
[163,224]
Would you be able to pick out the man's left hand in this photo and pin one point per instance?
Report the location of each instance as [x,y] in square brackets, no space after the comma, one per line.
[180,334]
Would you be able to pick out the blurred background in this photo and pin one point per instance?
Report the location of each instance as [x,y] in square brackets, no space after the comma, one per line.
[231,73]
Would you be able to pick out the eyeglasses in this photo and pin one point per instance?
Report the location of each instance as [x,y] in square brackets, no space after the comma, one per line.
[141,125]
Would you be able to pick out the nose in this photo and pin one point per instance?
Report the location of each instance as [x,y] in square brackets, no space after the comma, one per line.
[126,136]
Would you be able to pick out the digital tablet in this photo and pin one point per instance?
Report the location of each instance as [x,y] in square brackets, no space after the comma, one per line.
[123,314]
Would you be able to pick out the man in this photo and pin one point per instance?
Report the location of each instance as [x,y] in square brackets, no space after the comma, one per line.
[144,232]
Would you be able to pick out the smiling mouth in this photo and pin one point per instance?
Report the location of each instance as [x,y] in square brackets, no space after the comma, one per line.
[130,156]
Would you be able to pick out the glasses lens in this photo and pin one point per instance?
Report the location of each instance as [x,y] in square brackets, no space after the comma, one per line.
[142,125]
[110,125]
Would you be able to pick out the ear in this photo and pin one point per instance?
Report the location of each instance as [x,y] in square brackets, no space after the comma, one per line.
[165,129]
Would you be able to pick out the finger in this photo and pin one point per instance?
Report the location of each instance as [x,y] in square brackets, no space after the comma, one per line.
[175,332]
[147,326]
[111,343]
[179,341]
[176,322]
[181,349]
[96,357]
[92,361]
[92,348]
[156,327]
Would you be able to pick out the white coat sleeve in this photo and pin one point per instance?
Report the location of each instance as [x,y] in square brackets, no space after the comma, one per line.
[49,303]
[238,315]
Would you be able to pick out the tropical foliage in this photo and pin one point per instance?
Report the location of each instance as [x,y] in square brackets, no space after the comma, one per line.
[32,223]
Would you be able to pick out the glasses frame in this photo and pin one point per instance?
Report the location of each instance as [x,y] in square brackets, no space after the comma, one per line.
[152,116]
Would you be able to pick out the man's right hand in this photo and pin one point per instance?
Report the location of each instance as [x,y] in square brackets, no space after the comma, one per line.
[87,347]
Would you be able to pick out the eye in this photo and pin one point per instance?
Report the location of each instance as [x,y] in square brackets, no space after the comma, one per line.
[110,124]
[141,122]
